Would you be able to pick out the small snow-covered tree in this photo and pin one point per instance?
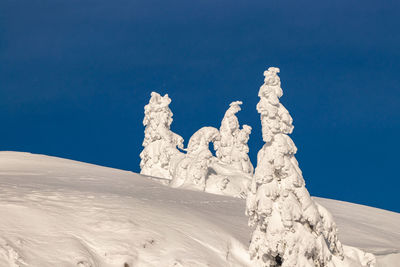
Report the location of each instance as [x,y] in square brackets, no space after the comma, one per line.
[232,148]
[160,143]
[290,229]
[192,170]
[240,158]
[229,130]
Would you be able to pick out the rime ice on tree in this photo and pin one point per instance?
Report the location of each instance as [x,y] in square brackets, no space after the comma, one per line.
[159,141]
[192,170]
[240,158]
[290,229]
[229,130]
[232,148]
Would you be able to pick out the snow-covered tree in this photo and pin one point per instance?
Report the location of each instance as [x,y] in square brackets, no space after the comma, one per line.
[192,170]
[160,143]
[240,158]
[232,147]
[290,229]
[229,130]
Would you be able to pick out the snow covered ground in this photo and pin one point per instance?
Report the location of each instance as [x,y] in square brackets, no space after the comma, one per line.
[57,212]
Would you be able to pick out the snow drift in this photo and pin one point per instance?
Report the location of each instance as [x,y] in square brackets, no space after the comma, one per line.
[57,212]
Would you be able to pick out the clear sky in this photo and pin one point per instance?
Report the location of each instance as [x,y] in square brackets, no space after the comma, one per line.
[75,75]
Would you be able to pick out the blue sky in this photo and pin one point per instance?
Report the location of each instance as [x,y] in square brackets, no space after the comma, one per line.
[75,75]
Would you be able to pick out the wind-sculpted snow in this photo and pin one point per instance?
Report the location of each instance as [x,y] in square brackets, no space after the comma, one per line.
[57,212]
[227,174]
[290,229]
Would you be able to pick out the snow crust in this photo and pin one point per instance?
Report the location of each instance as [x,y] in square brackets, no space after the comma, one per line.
[57,212]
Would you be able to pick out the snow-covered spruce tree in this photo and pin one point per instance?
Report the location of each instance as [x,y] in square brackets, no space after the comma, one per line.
[228,131]
[232,147]
[159,141]
[290,229]
[240,158]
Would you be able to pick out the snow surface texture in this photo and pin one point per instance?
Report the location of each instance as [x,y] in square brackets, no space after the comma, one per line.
[57,212]
[290,229]
[227,174]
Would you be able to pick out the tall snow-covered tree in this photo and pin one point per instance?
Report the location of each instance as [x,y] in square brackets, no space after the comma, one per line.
[160,143]
[290,229]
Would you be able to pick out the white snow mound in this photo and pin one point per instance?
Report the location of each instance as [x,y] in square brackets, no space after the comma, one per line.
[57,212]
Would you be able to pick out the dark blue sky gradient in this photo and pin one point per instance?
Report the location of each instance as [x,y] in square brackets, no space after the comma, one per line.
[75,75]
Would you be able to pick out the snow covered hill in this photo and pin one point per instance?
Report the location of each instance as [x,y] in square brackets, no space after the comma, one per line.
[57,212]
